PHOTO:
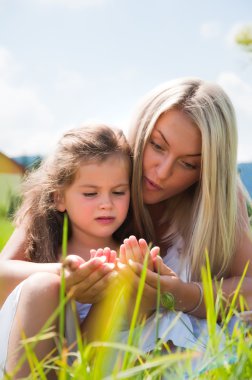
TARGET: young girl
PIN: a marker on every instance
(88, 177)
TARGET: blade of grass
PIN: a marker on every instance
(136, 309)
(63, 286)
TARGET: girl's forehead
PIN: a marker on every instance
(106, 163)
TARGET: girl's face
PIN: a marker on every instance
(97, 201)
(172, 157)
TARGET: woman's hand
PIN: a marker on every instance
(163, 275)
(136, 250)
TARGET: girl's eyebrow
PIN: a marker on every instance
(186, 155)
(97, 187)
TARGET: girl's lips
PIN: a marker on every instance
(151, 185)
(105, 219)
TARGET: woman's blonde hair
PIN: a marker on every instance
(205, 215)
(44, 223)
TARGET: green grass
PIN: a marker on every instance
(108, 359)
(6, 229)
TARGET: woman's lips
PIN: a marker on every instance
(151, 185)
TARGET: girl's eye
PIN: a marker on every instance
(119, 192)
(189, 166)
(156, 146)
(89, 195)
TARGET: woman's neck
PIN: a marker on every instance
(156, 212)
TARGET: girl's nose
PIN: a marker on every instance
(106, 203)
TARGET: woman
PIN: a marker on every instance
(186, 191)
(187, 199)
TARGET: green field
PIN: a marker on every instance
(6, 229)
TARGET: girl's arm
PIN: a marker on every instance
(15, 246)
(14, 267)
(12, 272)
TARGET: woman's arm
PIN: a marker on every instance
(187, 295)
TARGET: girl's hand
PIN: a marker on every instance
(89, 281)
(110, 254)
(72, 262)
(136, 250)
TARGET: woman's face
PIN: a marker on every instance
(172, 157)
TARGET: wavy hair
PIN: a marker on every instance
(44, 223)
(206, 214)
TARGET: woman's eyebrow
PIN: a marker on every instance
(187, 155)
(163, 137)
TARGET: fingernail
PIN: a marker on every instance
(101, 259)
(121, 265)
(110, 265)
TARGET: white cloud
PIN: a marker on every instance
(8, 68)
(240, 93)
(24, 117)
(210, 30)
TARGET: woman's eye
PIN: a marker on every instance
(89, 195)
(187, 165)
(156, 146)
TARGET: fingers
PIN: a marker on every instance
(85, 269)
(72, 262)
(136, 250)
(132, 249)
(154, 252)
(162, 268)
(145, 251)
(122, 255)
(110, 254)
(93, 290)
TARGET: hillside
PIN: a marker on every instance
(245, 170)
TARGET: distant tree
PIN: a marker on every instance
(244, 38)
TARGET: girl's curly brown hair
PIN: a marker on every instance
(44, 223)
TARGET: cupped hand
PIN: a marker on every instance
(163, 277)
(88, 282)
(110, 254)
(72, 262)
(137, 250)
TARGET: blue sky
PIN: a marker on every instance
(64, 62)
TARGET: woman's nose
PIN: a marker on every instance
(165, 168)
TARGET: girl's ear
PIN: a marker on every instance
(59, 201)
